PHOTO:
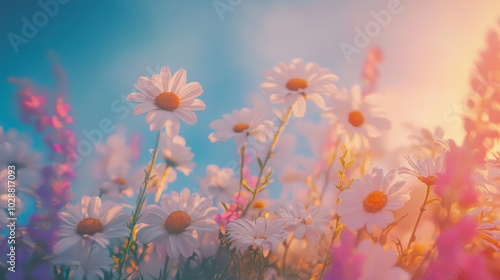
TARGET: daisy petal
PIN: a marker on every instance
(187, 116)
(178, 81)
(144, 108)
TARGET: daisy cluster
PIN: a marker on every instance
(350, 208)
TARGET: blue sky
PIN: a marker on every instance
(106, 45)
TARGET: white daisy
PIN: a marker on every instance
(88, 262)
(176, 225)
(91, 221)
(426, 170)
(487, 186)
(167, 98)
(122, 182)
(240, 125)
(261, 233)
(219, 184)
(357, 116)
(293, 83)
(490, 233)
(260, 204)
(371, 201)
(15, 150)
(380, 263)
(488, 226)
(431, 143)
(174, 153)
(93, 266)
(304, 222)
(115, 152)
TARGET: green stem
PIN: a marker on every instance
(422, 210)
(287, 246)
(242, 164)
(221, 275)
(164, 273)
(161, 182)
(137, 212)
(268, 156)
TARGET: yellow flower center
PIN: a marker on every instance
(356, 118)
(167, 101)
(296, 84)
(259, 237)
(120, 181)
(375, 202)
(240, 127)
(89, 226)
(429, 181)
(177, 222)
(259, 205)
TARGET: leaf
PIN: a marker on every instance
(260, 162)
(245, 185)
(261, 189)
(264, 185)
(433, 200)
(269, 175)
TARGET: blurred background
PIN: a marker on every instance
(429, 52)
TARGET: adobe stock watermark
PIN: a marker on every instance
(85, 147)
(223, 6)
(373, 28)
(31, 26)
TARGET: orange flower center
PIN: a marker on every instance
(375, 202)
(259, 237)
(240, 127)
(89, 226)
(120, 181)
(167, 101)
(177, 222)
(356, 118)
(429, 181)
(296, 84)
(259, 205)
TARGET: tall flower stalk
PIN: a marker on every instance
(138, 207)
(262, 164)
(422, 210)
(338, 225)
(242, 166)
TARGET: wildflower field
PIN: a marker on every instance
(301, 175)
